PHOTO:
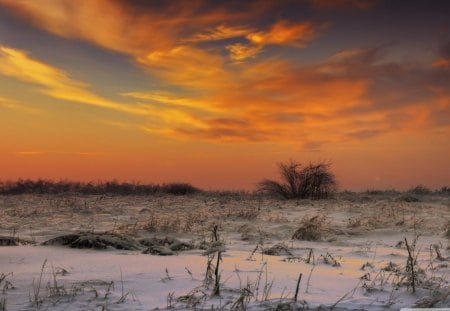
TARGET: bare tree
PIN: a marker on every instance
(314, 181)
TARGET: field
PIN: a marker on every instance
(230, 251)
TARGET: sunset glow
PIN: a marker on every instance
(215, 93)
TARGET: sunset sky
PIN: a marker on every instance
(215, 93)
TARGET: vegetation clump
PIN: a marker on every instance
(95, 241)
(278, 250)
(311, 229)
(164, 246)
(13, 241)
(313, 181)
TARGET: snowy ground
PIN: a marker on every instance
(357, 259)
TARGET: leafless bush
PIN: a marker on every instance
(314, 181)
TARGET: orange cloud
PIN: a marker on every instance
(55, 82)
(219, 33)
(39, 153)
(117, 27)
(339, 99)
(122, 28)
(240, 52)
(29, 153)
(215, 99)
(15, 105)
(285, 33)
(442, 63)
(51, 81)
(280, 33)
(189, 67)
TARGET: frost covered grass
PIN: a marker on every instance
(223, 251)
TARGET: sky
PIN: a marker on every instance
(216, 93)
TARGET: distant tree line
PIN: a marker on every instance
(420, 190)
(312, 181)
(41, 186)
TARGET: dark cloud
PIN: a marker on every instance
(313, 146)
(391, 85)
(223, 134)
(445, 49)
(288, 117)
(227, 122)
(339, 4)
(365, 134)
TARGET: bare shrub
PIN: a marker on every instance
(314, 181)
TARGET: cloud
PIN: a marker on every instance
(390, 85)
(45, 152)
(280, 33)
(320, 102)
(285, 33)
(240, 52)
(337, 4)
(55, 82)
(228, 130)
(443, 59)
(117, 27)
(15, 105)
(365, 134)
(152, 29)
(220, 32)
(442, 63)
(137, 29)
(163, 100)
(29, 153)
(445, 49)
(266, 100)
(189, 67)
(208, 97)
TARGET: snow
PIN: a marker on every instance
(356, 234)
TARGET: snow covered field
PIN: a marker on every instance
(351, 252)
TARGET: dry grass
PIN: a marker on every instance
(254, 217)
(311, 228)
